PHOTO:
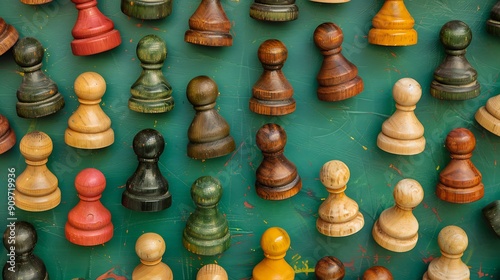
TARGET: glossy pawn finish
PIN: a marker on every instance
(35, 2)
(89, 222)
(455, 78)
(147, 189)
(212, 272)
(7, 135)
(8, 36)
(460, 181)
(492, 214)
(147, 9)
(89, 127)
(150, 248)
(493, 23)
(36, 187)
(208, 133)
(276, 10)
(209, 26)
(393, 26)
(151, 93)
(377, 273)
(402, 133)
(275, 242)
(93, 32)
(38, 96)
(329, 268)
(26, 266)
(338, 215)
(488, 116)
(337, 78)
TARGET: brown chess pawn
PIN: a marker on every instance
(89, 127)
(377, 273)
(337, 78)
(8, 36)
(452, 242)
(272, 94)
(276, 177)
(7, 135)
(150, 248)
(275, 242)
(402, 133)
(338, 215)
(488, 116)
(329, 268)
(209, 132)
(393, 26)
(275, 10)
(212, 272)
(35, 2)
(36, 188)
(209, 26)
(397, 228)
(460, 181)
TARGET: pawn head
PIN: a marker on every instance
(328, 36)
(275, 242)
(90, 86)
(28, 52)
(453, 240)
(212, 272)
(272, 52)
(408, 193)
(36, 146)
(460, 141)
(150, 248)
(329, 268)
(334, 174)
(407, 92)
(148, 143)
(377, 273)
(206, 191)
(202, 90)
(24, 235)
(271, 138)
(455, 35)
(90, 182)
(151, 49)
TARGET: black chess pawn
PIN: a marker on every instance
(493, 23)
(20, 239)
(147, 189)
(275, 10)
(208, 133)
(38, 95)
(151, 93)
(455, 78)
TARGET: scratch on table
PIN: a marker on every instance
(395, 168)
(434, 210)
(248, 205)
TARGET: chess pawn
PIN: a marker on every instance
(212, 272)
(36, 187)
(7, 135)
(147, 189)
(275, 243)
(460, 181)
(93, 32)
(276, 10)
(209, 26)
(207, 232)
(452, 242)
(492, 214)
(38, 95)
(89, 222)
(339, 214)
(8, 36)
(402, 133)
(272, 94)
(397, 228)
(329, 268)
(208, 133)
(331, 1)
(489, 116)
(455, 78)
(150, 248)
(377, 273)
(151, 93)
(20, 238)
(89, 127)
(147, 9)
(393, 26)
(493, 23)
(35, 2)
(337, 78)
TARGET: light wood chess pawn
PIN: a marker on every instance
(7, 135)
(489, 116)
(209, 26)
(377, 273)
(402, 133)
(275, 242)
(452, 242)
(89, 127)
(338, 215)
(150, 248)
(393, 26)
(329, 268)
(212, 272)
(8, 36)
(36, 188)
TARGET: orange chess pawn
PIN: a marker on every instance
(275, 243)
(393, 26)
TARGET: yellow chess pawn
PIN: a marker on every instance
(275, 243)
(393, 26)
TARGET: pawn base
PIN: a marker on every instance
(455, 92)
(151, 106)
(331, 1)
(8, 38)
(390, 243)
(342, 91)
(341, 229)
(272, 108)
(206, 247)
(41, 108)
(281, 192)
(37, 203)
(460, 195)
(146, 9)
(493, 27)
(392, 37)
(146, 203)
(274, 12)
(88, 237)
(488, 121)
(35, 2)
(89, 141)
(400, 146)
(208, 38)
(212, 149)
(492, 214)
(7, 141)
(97, 44)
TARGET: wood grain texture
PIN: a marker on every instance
(274, 10)
(377, 273)
(7, 135)
(393, 26)
(488, 116)
(275, 242)
(147, 9)
(8, 36)
(329, 268)
(212, 272)
(209, 26)
(150, 248)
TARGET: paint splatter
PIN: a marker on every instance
(428, 260)
(363, 250)
(248, 205)
(434, 210)
(111, 275)
(395, 168)
(350, 265)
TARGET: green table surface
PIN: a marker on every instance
(317, 132)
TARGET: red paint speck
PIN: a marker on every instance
(480, 273)
(428, 260)
(350, 265)
(435, 211)
(138, 25)
(426, 205)
(363, 250)
(248, 205)
(111, 275)
(375, 259)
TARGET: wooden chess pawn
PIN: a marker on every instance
(93, 32)
(147, 9)
(402, 133)
(35, 2)
(20, 238)
(7, 135)
(488, 116)
(452, 242)
(393, 26)
(397, 228)
(89, 222)
(209, 132)
(493, 23)
(455, 78)
(207, 232)
(275, 242)
(36, 187)
(331, 1)
(212, 272)
(492, 214)
(338, 215)
(337, 78)
(89, 127)
(272, 94)
(329, 268)
(151, 93)
(150, 248)
(8, 36)
(460, 181)
(38, 95)
(147, 189)
(377, 273)
(209, 26)
(276, 10)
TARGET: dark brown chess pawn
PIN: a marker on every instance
(37, 96)
(209, 26)
(275, 10)
(460, 181)
(8, 36)
(147, 9)
(338, 78)
(377, 273)
(208, 133)
(276, 177)
(7, 135)
(329, 268)
(272, 94)
(493, 23)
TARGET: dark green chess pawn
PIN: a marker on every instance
(151, 93)
(455, 78)
(38, 95)
(206, 232)
(147, 9)
(274, 10)
(493, 23)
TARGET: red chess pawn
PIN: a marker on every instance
(7, 135)
(89, 222)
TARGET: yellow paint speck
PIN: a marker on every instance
(364, 148)
(437, 167)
